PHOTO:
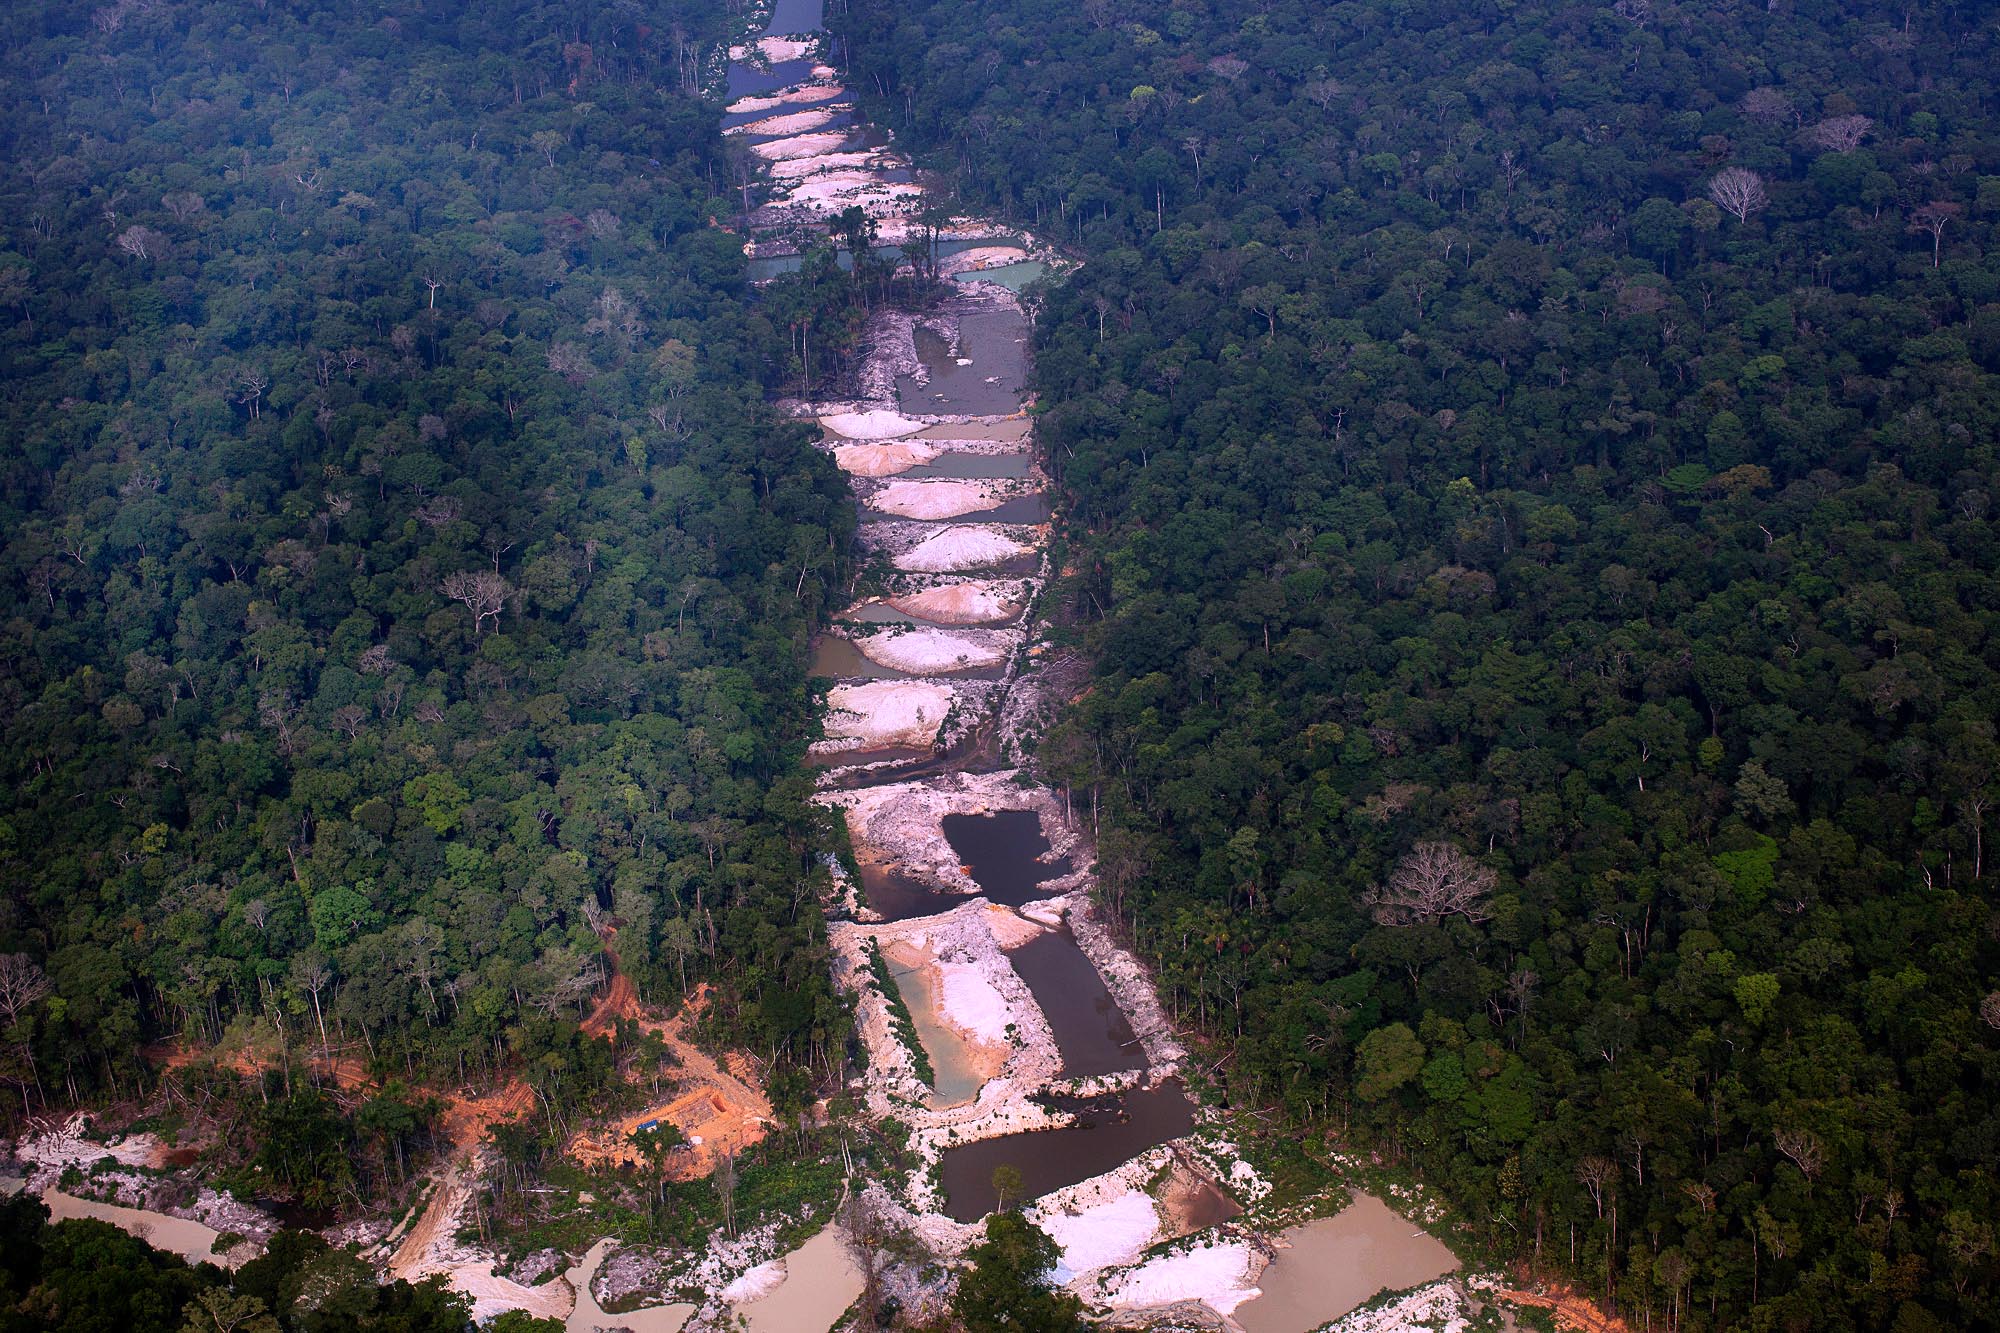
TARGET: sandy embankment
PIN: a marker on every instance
(794, 122)
(800, 146)
(973, 602)
(969, 546)
(942, 498)
(930, 652)
(882, 713)
(871, 424)
(804, 95)
(881, 460)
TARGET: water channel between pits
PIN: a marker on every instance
(1108, 1133)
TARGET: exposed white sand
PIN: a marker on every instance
(874, 424)
(809, 93)
(923, 652)
(937, 499)
(971, 1003)
(1115, 1231)
(881, 460)
(778, 50)
(1218, 1274)
(1441, 1306)
(887, 712)
(801, 145)
(974, 602)
(796, 122)
(966, 547)
(758, 1282)
(806, 166)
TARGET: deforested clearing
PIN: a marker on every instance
(873, 424)
(966, 547)
(881, 460)
(887, 712)
(976, 602)
(935, 499)
(926, 651)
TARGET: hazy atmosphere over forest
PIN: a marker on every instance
(650, 650)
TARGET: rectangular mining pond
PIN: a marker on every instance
(1091, 1031)
(1002, 851)
(1108, 1133)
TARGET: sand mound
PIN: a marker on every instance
(877, 424)
(974, 603)
(1115, 1231)
(968, 547)
(800, 146)
(926, 652)
(887, 712)
(810, 93)
(1217, 1275)
(826, 162)
(777, 50)
(934, 499)
(796, 122)
(881, 460)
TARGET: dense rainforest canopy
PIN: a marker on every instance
(406, 583)
(1531, 474)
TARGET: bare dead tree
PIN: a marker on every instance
(141, 242)
(1837, 134)
(250, 386)
(183, 204)
(1931, 220)
(1767, 106)
(1594, 1173)
(1434, 880)
(479, 591)
(1738, 192)
(1804, 1150)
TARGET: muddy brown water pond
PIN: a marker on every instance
(1336, 1263)
(955, 1076)
(995, 342)
(1021, 509)
(1091, 1031)
(1108, 1133)
(973, 467)
(1002, 851)
(1010, 430)
(880, 755)
(897, 895)
(1011, 276)
(880, 613)
(835, 658)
